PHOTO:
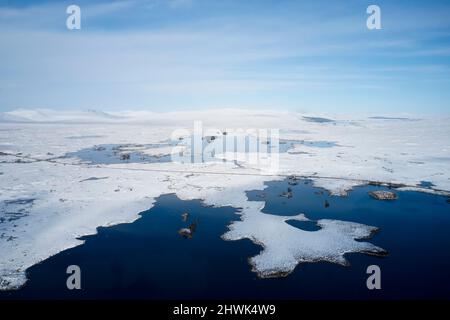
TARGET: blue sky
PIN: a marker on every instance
(161, 55)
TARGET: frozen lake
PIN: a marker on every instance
(62, 181)
(149, 259)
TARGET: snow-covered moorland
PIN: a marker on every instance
(48, 200)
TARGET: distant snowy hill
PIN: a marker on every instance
(236, 117)
(214, 117)
(47, 115)
(6, 117)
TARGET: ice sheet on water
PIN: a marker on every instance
(115, 154)
(285, 246)
(162, 152)
(11, 279)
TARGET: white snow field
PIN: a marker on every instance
(47, 200)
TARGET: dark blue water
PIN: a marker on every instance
(149, 259)
(426, 184)
(304, 225)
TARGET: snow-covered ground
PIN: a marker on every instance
(47, 200)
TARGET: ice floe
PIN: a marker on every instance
(286, 246)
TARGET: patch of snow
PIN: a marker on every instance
(426, 190)
(337, 187)
(286, 246)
